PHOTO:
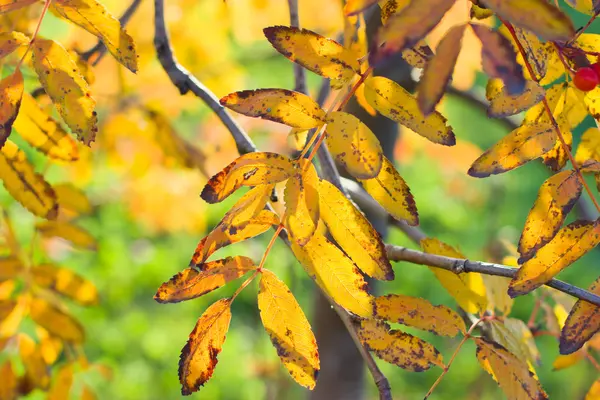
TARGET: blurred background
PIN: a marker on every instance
(148, 217)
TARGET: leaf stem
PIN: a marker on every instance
(585, 27)
(35, 33)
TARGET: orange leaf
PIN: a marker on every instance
(65, 282)
(581, 324)
(10, 5)
(56, 321)
(74, 234)
(302, 203)
(37, 373)
(10, 41)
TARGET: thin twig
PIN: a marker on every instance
(299, 71)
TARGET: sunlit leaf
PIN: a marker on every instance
(56, 321)
(10, 41)
(355, 6)
(589, 147)
(302, 203)
(10, 5)
(199, 356)
(73, 233)
(11, 92)
(503, 104)
(581, 324)
(419, 55)
(594, 391)
(65, 282)
(72, 198)
(569, 360)
(37, 373)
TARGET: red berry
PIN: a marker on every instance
(586, 79)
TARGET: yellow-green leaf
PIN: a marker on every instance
(397, 347)
(503, 104)
(65, 282)
(56, 321)
(11, 93)
(97, 20)
(288, 329)
(73, 233)
(10, 41)
(199, 356)
(280, 105)
(353, 145)
(571, 243)
(63, 82)
(302, 203)
(582, 323)
(393, 101)
(354, 233)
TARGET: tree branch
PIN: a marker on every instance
(299, 71)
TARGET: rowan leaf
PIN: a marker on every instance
(302, 203)
(63, 82)
(394, 102)
(438, 71)
(251, 169)
(538, 16)
(66, 283)
(10, 267)
(197, 281)
(589, 147)
(10, 381)
(515, 336)
(24, 184)
(582, 323)
(199, 356)
(11, 92)
(392, 192)
(354, 233)
(336, 274)
(571, 243)
(10, 41)
(43, 132)
(37, 372)
(556, 198)
(353, 7)
(419, 55)
(520, 146)
(499, 59)
(512, 374)
(569, 360)
(97, 20)
(61, 388)
(11, 5)
(467, 288)
(318, 54)
(503, 104)
(288, 329)
(76, 235)
(354, 145)
(391, 7)
(56, 321)
(72, 198)
(594, 391)
(396, 347)
(280, 105)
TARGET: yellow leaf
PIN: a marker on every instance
(10, 41)
(297, 139)
(318, 54)
(419, 313)
(87, 393)
(538, 16)
(95, 18)
(37, 373)
(397, 347)
(583, 6)
(512, 374)
(355, 6)
(479, 12)
(392, 192)
(199, 356)
(594, 392)
(11, 92)
(515, 336)
(354, 233)
(391, 7)
(354, 145)
(50, 346)
(43, 132)
(197, 281)
(9, 382)
(566, 361)
(542, 56)
(571, 243)
(10, 267)
(589, 147)
(467, 288)
(6, 308)
(394, 102)
(56, 321)
(581, 324)
(24, 184)
(251, 169)
(522, 145)
(66, 283)
(302, 203)
(10, 5)
(69, 92)
(419, 55)
(503, 104)
(438, 71)
(495, 289)
(280, 105)
(72, 198)
(335, 273)
(11, 315)
(61, 388)
(288, 329)
(74, 234)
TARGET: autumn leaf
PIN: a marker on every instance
(65, 282)
(76, 235)
(63, 82)
(581, 324)
(571, 243)
(516, 337)
(594, 391)
(394, 102)
(512, 374)
(556, 198)
(56, 321)
(318, 54)
(467, 288)
(567, 361)
(251, 169)
(9, 382)
(24, 184)
(199, 356)
(95, 18)
(522, 145)
(353, 145)
(336, 274)
(197, 281)
(302, 203)
(392, 192)
(419, 313)
(355, 6)
(438, 71)
(10, 267)
(589, 147)
(396, 347)
(503, 104)
(37, 373)
(419, 55)
(10, 41)
(354, 233)
(11, 5)
(288, 329)
(280, 105)
(391, 7)
(72, 198)
(11, 92)
(61, 388)
(538, 16)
